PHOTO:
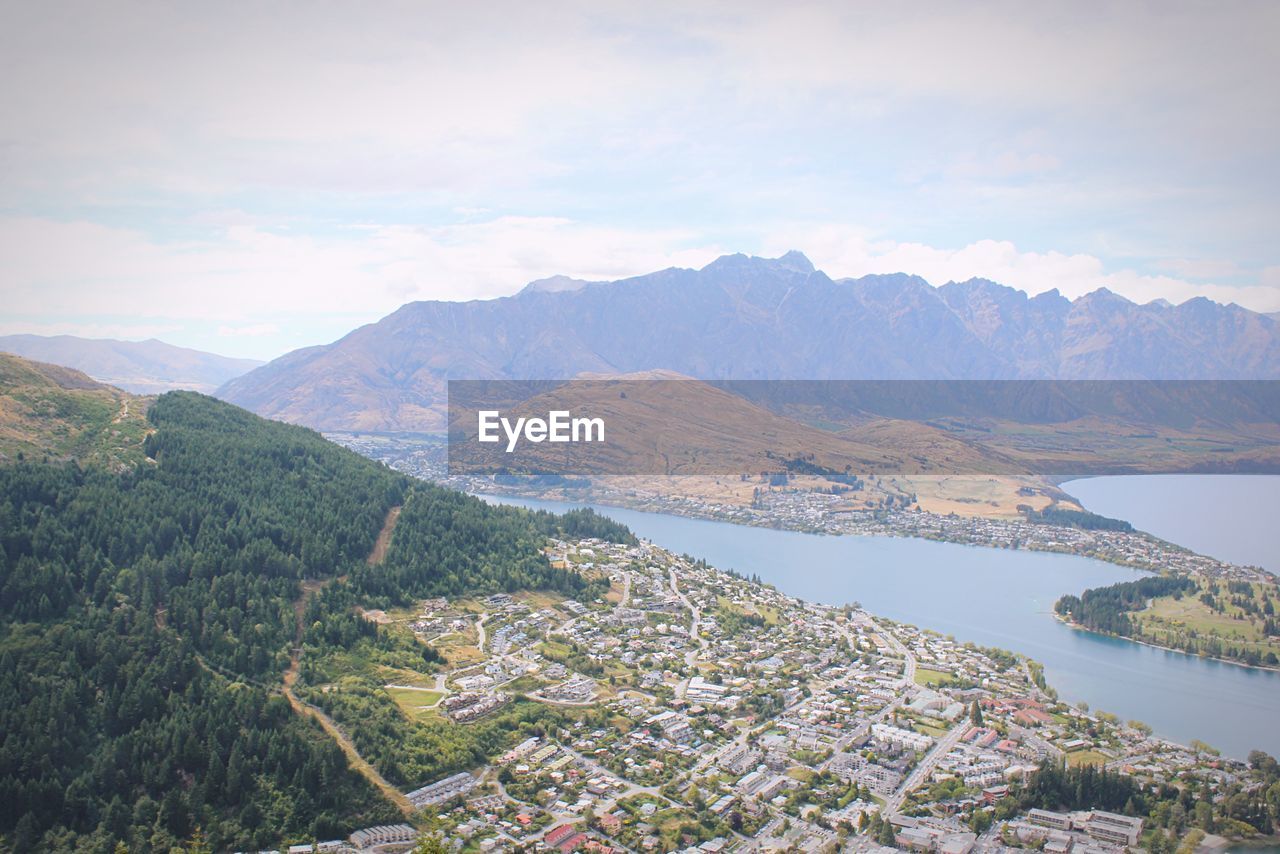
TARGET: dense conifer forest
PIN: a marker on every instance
(1107, 609)
(146, 618)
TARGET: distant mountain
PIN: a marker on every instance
(142, 367)
(749, 318)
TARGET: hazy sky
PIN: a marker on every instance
(250, 179)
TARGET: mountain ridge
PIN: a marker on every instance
(140, 367)
(50, 411)
(744, 317)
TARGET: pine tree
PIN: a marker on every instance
(886, 836)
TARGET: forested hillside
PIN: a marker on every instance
(146, 618)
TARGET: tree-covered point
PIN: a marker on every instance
(583, 523)
(1069, 518)
(1106, 609)
(1234, 620)
(146, 618)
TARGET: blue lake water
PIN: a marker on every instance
(1228, 516)
(993, 597)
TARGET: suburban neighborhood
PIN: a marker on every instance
(706, 712)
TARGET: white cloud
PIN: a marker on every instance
(1030, 56)
(433, 97)
(392, 144)
(1203, 269)
(255, 284)
(848, 251)
(247, 273)
(251, 331)
(1006, 164)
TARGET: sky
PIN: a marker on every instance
(252, 178)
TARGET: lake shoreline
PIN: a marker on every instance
(775, 526)
(821, 531)
(1213, 515)
(1072, 624)
(993, 597)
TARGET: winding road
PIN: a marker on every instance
(302, 707)
(691, 658)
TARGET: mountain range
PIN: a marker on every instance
(141, 367)
(743, 318)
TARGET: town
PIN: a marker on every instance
(701, 711)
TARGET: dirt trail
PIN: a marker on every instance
(379, 553)
(358, 762)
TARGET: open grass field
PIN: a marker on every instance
(925, 676)
(403, 615)
(414, 702)
(523, 685)
(406, 676)
(554, 649)
(337, 665)
(967, 495)
(460, 649)
(1086, 757)
(1168, 619)
(537, 599)
(974, 495)
(764, 612)
(1194, 614)
(930, 728)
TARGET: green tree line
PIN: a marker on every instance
(1107, 609)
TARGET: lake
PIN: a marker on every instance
(1228, 516)
(993, 597)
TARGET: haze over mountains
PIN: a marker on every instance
(141, 367)
(750, 318)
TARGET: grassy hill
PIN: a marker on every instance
(48, 410)
(1235, 620)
